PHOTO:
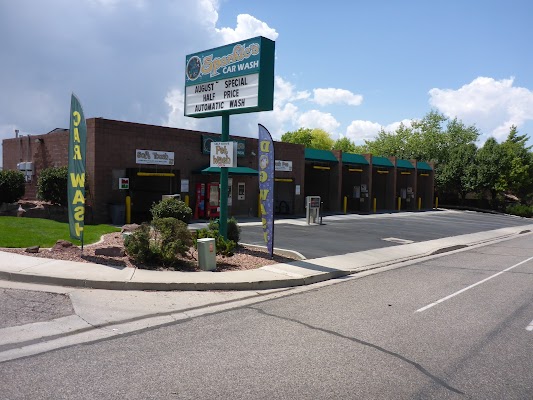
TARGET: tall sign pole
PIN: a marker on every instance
(223, 224)
(232, 79)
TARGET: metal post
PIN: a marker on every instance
(223, 224)
(128, 209)
(375, 208)
(436, 202)
(399, 203)
(345, 204)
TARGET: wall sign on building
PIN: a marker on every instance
(154, 157)
(223, 154)
(123, 183)
(232, 79)
(285, 166)
(206, 145)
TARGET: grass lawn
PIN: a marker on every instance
(26, 232)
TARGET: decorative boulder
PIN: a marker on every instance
(62, 245)
(112, 251)
(32, 249)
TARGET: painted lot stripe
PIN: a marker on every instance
(397, 240)
(530, 326)
(472, 286)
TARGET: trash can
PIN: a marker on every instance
(118, 214)
(207, 254)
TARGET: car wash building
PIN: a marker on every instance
(147, 162)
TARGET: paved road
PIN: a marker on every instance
(456, 326)
(20, 307)
(352, 233)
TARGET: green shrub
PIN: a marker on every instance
(224, 247)
(172, 238)
(138, 244)
(521, 210)
(171, 208)
(234, 230)
(52, 185)
(159, 243)
(12, 186)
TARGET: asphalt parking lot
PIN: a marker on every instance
(341, 234)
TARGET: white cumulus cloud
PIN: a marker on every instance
(247, 27)
(336, 96)
(493, 105)
(318, 119)
(359, 131)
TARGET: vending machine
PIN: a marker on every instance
(213, 200)
(199, 209)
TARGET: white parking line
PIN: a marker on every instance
(471, 286)
(397, 240)
(530, 326)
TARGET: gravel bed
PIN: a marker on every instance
(244, 258)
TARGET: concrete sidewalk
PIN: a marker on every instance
(16, 267)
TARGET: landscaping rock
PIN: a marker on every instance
(129, 228)
(62, 245)
(113, 251)
(32, 249)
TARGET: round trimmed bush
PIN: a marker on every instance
(52, 185)
(171, 208)
(12, 186)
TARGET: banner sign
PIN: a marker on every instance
(266, 186)
(206, 145)
(76, 170)
(232, 79)
(223, 154)
(154, 157)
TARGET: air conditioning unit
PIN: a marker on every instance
(171, 196)
(25, 166)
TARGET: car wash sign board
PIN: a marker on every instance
(233, 79)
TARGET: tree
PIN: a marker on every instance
(427, 141)
(12, 186)
(321, 140)
(310, 138)
(389, 144)
(458, 174)
(518, 175)
(491, 163)
(450, 144)
(301, 136)
(344, 144)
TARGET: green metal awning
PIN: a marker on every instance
(404, 164)
(350, 158)
(423, 166)
(319, 155)
(381, 162)
(231, 171)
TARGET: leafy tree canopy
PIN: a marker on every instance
(344, 144)
(310, 138)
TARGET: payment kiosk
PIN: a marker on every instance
(312, 209)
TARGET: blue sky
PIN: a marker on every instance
(349, 67)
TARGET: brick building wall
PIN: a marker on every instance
(48, 150)
(111, 154)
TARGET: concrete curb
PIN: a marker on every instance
(15, 267)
